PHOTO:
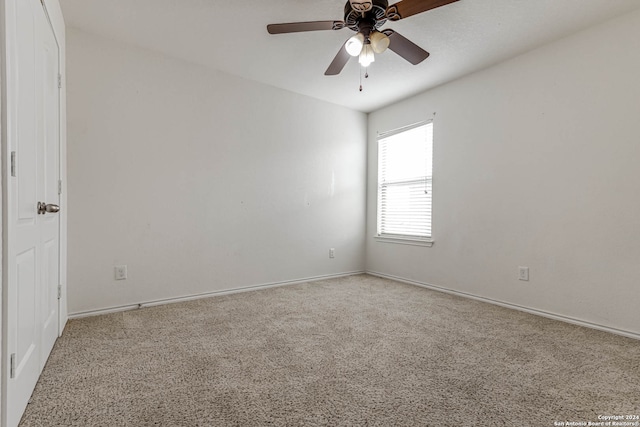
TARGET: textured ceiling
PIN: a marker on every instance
(231, 36)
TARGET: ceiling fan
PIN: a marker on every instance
(365, 17)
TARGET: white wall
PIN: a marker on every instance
(536, 164)
(200, 181)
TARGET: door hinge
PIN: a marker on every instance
(13, 163)
(59, 186)
(59, 81)
(12, 365)
(59, 291)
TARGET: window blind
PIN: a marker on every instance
(405, 182)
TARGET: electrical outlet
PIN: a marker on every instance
(523, 273)
(121, 272)
(332, 253)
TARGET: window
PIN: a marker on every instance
(404, 183)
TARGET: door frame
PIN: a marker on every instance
(53, 11)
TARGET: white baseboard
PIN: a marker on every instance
(529, 310)
(153, 303)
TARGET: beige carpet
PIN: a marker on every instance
(356, 351)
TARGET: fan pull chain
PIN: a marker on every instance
(366, 76)
(360, 74)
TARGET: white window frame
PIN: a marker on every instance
(426, 179)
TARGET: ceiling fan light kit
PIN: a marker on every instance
(355, 44)
(366, 57)
(379, 41)
(365, 17)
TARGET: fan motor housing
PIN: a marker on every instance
(377, 15)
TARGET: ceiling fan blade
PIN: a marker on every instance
(338, 62)
(406, 48)
(297, 27)
(405, 8)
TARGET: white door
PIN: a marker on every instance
(32, 249)
(49, 112)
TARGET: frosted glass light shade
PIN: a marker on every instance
(366, 56)
(379, 41)
(354, 44)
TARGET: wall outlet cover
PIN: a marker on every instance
(121, 272)
(523, 273)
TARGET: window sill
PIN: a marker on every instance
(405, 241)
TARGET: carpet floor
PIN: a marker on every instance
(354, 351)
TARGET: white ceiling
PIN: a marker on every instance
(231, 36)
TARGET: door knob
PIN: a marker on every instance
(51, 208)
(44, 208)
